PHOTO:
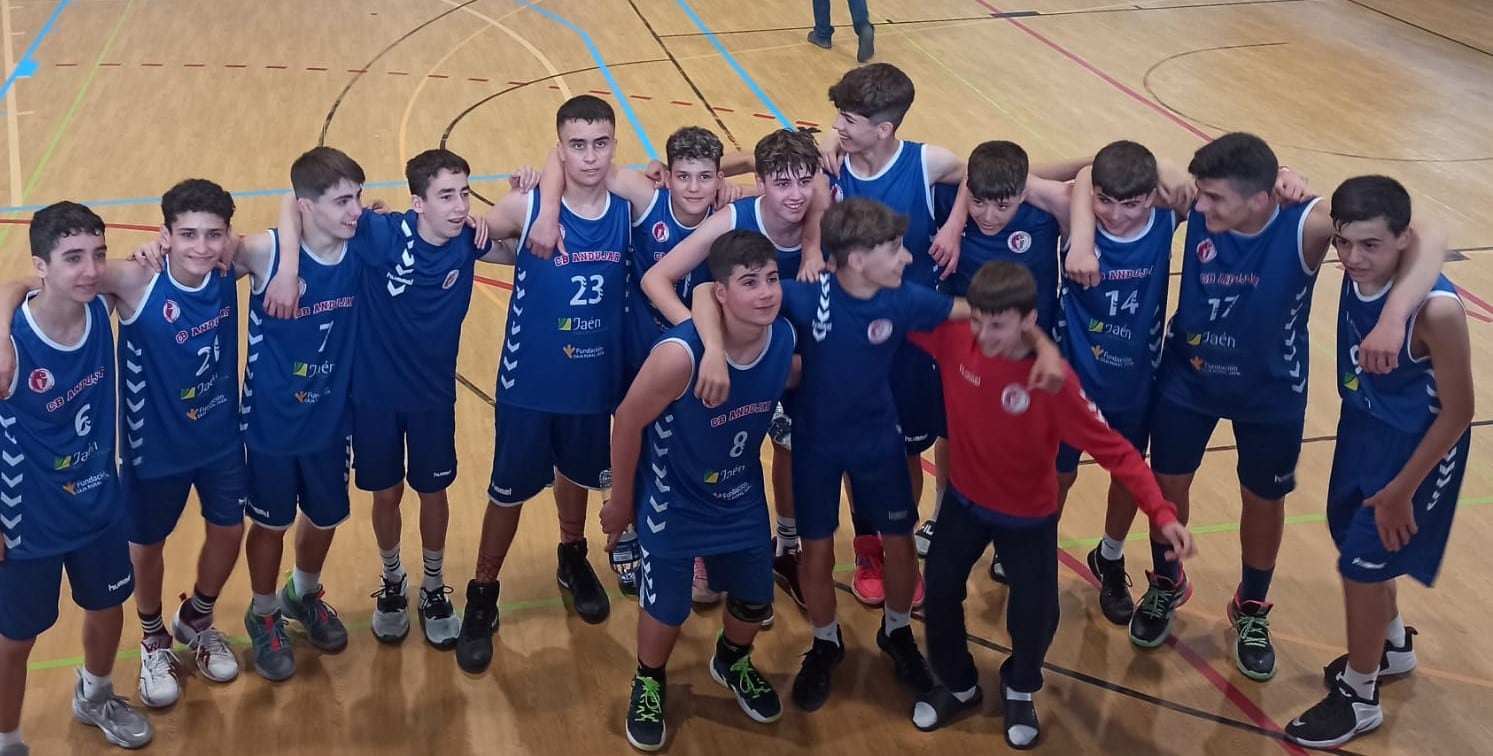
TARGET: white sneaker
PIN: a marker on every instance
(391, 615)
(439, 619)
(215, 660)
(700, 591)
(160, 677)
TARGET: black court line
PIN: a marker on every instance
(1429, 31)
(699, 94)
(450, 127)
(326, 124)
(1131, 693)
(996, 17)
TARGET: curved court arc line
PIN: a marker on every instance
(409, 105)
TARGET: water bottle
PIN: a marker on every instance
(626, 559)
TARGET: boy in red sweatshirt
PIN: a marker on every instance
(1003, 487)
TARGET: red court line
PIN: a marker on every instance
(1091, 68)
(493, 282)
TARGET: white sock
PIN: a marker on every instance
(393, 569)
(1111, 548)
(894, 621)
(830, 632)
(1362, 685)
(787, 534)
(11, 738)
(305, 583)
(1396, 634)
(92, 683)
(434, 568)
(265, 604)
(1020, 734)
(965, 696)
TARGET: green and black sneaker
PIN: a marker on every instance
(645, 713)
(753, 692)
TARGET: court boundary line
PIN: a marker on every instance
(735, 65)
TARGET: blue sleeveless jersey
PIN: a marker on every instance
(297, 377)
(58, 486)
(746, 215)
(1405, 397)
(699, 485)
(178, 376)
(654, 234)
(1029, 238)
(1237, 345)
(1112, 332)
(412, 298)
(903, 185)
(843, 405)
(563, 350)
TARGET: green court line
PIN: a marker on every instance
(67, 117)
(556, 601)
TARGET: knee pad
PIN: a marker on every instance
(749, 613)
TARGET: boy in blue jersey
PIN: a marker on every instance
(1112, 331)
(560, 372)
(1237, 349)
(60, 503)
(1402, 446)
(179, 377)
(1014, 216)
(415, 286)
(696, 488)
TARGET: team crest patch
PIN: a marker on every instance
(879, 331)
(41, 380)
(1206, 251)
(1015, 400)
(660, 232)
(1019, 242)
(450, 280)
(171, 311)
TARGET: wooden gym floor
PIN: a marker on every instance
(111, 101)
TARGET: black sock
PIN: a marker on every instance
(1167, 568)
(729, 653)
(656, 673)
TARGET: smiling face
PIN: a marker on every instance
(1121, 218)
(74, 266)
(859, 133)
(692, 185)
(1224, 208)
(752, 295)
(586, 149)
(446, 204)
(999, 333)
(786, 194)
(882, 264)
(197, 240)
(337, 210)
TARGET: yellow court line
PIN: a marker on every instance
(409, 105)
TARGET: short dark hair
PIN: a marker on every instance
(1244, 160)
(997, 170)
(786, 152)
(1125, 170)
(1002, 285)
(1365, 198)
(877, 92)
(58, 221)
(424, 167)
(694, 143)
(319, 169)
(859, 224)
(739, 247)
(196, 196)
(588, 108)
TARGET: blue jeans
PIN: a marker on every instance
(859, 18)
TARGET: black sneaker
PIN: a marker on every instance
(753, 693)
(1395, 662)
(1336, 719)
(907, 660)
(474, 641)
(1114, 587)
(1254, 654)
(939, 707)
(645, 714)
(811, 686)
(1151, 622)
(998, 570)
(785, 572)
(575, 575)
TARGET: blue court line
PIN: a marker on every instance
(26, 66)
(606, 73)
(740, 72)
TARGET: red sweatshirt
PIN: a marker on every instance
(1003, 438)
